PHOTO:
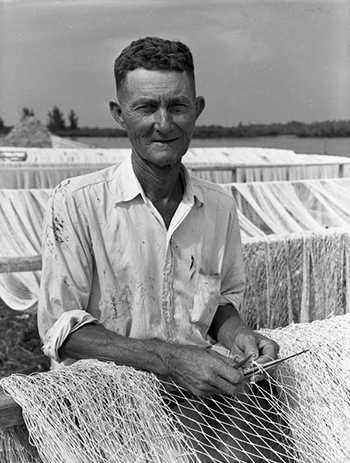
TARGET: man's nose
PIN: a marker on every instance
(163, 121)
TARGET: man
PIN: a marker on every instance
(142, 264)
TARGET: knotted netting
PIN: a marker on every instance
(291, 277)
(293, 206)
(99, 412)
(296, 277)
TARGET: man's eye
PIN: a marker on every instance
(178, 107)
(146, 107)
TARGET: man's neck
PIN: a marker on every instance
(158, 183)
(162, 185)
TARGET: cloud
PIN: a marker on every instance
(242, 46)
(255, 59)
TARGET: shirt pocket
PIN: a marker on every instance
(206, 299)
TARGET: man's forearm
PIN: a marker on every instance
(193, 368)
(95, 341)
(225, 323)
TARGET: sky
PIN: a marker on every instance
(256, 61)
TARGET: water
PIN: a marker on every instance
(331, 146)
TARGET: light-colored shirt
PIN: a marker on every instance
(108, 258)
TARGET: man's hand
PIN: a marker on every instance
(247, 342)
(204, 372)
(232, 333)
(193, 368)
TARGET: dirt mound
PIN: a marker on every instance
(29, 132)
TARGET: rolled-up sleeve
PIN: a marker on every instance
(66, 270)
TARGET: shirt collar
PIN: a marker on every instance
(126, 186)
(192, 194)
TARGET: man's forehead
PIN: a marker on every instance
(144, 81)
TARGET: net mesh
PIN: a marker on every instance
(297, 277)
(291, 277)
(293, 206)
(100, 412)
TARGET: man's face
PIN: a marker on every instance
(159, 110)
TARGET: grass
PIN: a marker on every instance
(20, 345)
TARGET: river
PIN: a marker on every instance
(331, 146)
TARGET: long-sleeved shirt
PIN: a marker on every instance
(108, 258)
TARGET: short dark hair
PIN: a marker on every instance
(154, 54)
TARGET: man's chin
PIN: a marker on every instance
(165, 154)
(170, 146)
(164, 163)
(161, 155)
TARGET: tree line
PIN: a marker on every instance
(324, 129)
(69, 127)
(55, 119)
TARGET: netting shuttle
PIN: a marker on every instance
(264, 367)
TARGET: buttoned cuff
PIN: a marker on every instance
(67, 323)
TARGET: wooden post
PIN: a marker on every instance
(10, 411)
(20, 264)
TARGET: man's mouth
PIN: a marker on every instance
(169, 140)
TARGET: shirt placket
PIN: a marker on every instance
(167, 294)
(168, 273)
(167, 290)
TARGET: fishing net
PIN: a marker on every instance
(15, 446)
(297, 277)
(100, 412)
(291, 277)
(46, 167)
(287, 207)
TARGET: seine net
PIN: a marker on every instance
(100, 412)
(297, 277)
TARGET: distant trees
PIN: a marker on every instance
(26, 112)
(3, 128)
(56, 120)
(73, 120)
(57, 123)
(325, 129)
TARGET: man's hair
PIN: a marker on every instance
(154, 54)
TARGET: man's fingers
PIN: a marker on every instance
(205, 372)
(227, 380)
(256, 378)
(268, 349)
(261, 348)
(228, 377)
(251, 347)
(268, 352)
(230, 361)
(224, 377)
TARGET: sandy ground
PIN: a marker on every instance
(19, 343)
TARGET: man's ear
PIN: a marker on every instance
(200, 105)
(116, 112)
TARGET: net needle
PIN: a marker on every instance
(261, 367)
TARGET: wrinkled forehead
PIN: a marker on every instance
(142, 81)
